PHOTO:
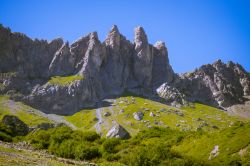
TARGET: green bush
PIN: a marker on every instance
(64, 142)
(5, 129)
(152, 154)
(155, 146)
(5, 137)
(111, 157)
(60, 134)
(66, 149)
(85, 152)
(40, 139)
(85, 136)
(5, 133)
(110, 145)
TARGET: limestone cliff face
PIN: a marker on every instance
(143, 58)
(161, 74)
(117, 66)
(30, 58)
(108, 69)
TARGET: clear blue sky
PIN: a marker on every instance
(195, 31)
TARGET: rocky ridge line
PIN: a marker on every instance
(109, 68)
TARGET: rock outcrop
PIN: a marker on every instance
(216, 84)
(143, 58)
(108, 69)
(138, 115)
(117, 131)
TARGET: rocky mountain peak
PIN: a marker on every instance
(57, 41)
(160, 45)
(140, 39)
(143, 58)
(218, 64)
(93, 38)
(113, 38)
(114, 29)
(109, 69)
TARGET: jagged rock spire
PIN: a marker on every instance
(113, 38)
(93, 38)
(143, 59)
(159, 45)
(141, 39)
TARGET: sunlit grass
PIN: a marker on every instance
(83, 120)
(23, 112)
(63, 81)
(230, 141)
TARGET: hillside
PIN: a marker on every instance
(198, 129)
(117, 102)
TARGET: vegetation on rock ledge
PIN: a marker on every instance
(63, 81)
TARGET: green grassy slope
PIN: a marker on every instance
(195, 117)
(83, 120)
(197, 129)
(233, 142)
(23, 112)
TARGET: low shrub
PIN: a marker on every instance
(65, 149)
(64, 142)
(110, 145)
(5, 137)
(40, 139)
(85, 152)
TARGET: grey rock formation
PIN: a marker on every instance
(171, 94)
(63, 62)
(138, 115)
(109, 69)
(117, 131)
(151, 114)
(116, 71)
(162, 70)
(214, 152)
(218, 84)
(143, 58)
(106, 114)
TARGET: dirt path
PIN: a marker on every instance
(13, 107)
(100, 121)
(103, 122)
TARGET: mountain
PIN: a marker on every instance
(117, 103)
(62, 78)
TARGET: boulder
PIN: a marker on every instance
(214, 152)
(138, 115)
(171, 94)
(121, 111)
(117, 131)
(151, 114)
(106, 114)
